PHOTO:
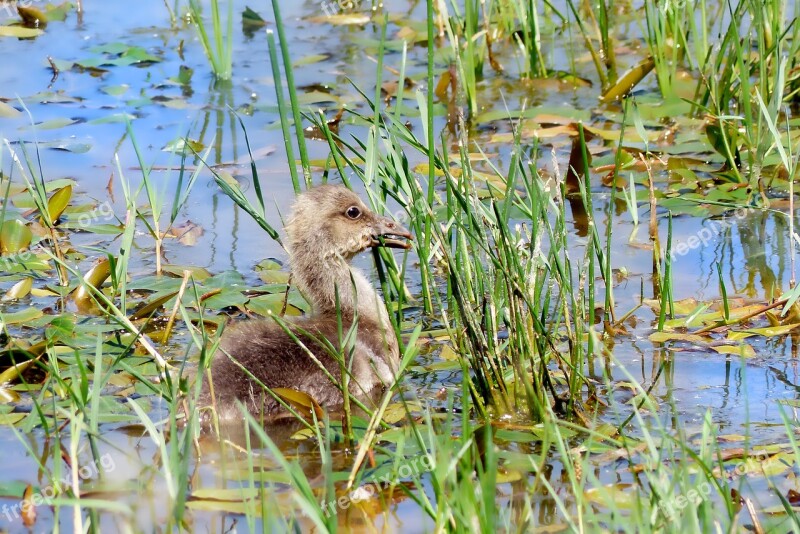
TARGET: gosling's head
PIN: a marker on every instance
(331, 220)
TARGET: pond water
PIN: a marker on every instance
(77, 117)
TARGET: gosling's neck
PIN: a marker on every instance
(319, 275)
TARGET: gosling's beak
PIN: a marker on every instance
(387, 233)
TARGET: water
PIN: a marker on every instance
(741, 394)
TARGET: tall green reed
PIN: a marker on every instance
(217, 44)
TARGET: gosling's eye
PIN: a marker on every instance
(353, 212)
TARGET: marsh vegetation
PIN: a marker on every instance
(598, 319)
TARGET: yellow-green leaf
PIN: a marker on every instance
(59, 202)
(8, 419)
(150, 307)
(95, 278)
(629, 80)
(341, 19)
(19, 290)
(737, 350)
(20, 32)
(13, 372)
(14, 236)
(299, 400)
(22, 316)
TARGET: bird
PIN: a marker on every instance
(328, 227)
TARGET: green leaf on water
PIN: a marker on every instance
(20, 32)
(265, 305)
(184, 76)
(226, 298)
(251, 19)
(61, 329)
(14, 237)
(225, 280)
(83, 295)
(629, 80)
(103, 229)
(10, 419)
(67, 145)
(22, 316)
(113, 118)
(19, 290)
(341, 19)
(311, 59)
(198, 273)
(110, 48)
(177, 146)
(58, 13)
(53, 124)
(115, 90)
(570, 114)
(153, 305)
(58, 202)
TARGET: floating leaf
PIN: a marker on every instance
(115, 90)
(57, 13)
(8, 112)
(272, 304)
(53, 124)
(310, 60)
(743, 350)
(19, 290)
(224, 298)
(8, 396)
(270, 273)
(67, 145)
(94, 277)
(177, 146)
(239, 501)
(20, 32)
(8, 419)
(31, 16)
(252, 20)
(14, 236)
(341, 19)
(300, 401)
(58, 202)
(226, 494)
(13, 373)
(198, 273)
(629, 80)
(152, 306)
(184, 76)
(769, 331)
(113, 118)
(662, 337)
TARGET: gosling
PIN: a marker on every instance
(328, 227)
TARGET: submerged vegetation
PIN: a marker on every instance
(544, 341)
